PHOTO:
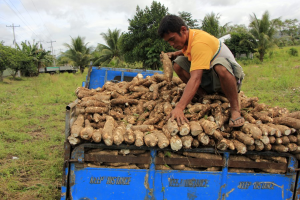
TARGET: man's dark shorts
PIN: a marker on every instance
(210, 81)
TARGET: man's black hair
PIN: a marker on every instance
(170, 23)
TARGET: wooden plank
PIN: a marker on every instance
(257, 165)
(199, 162)
(117, 159)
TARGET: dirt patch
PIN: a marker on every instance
(9, 156)
(37, 133)
(55, 147)
(44, 117)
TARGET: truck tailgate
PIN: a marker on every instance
(89, 182)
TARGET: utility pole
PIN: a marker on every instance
(52, 51)
(14, 33)
(13, 26)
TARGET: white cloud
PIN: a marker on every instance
(57, 20)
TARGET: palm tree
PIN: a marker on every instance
(211, 24)
(78, 52)
(263, 30)
(104, 54)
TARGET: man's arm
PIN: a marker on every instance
(188, 94)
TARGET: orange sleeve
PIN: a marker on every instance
(201, 55)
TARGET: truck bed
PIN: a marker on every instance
(84, 179)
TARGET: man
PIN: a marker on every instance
(205, 64)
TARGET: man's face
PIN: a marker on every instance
(175, 40)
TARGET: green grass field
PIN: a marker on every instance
(32, 120)
(276, 81)
(32, 114)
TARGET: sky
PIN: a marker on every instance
(56, 21)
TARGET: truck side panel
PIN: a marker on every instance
(88, 182)
(105, 183)
(174, 184)
(259, 186)
(99, 76)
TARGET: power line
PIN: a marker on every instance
(26, 10)
(5, 19)
(40, 17)
(20, 17)
(31, 16)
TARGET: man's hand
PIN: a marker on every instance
(173, 55)
(178, 115)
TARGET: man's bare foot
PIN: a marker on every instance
(236, 119)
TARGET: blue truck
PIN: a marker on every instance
(84, 181)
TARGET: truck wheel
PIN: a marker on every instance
(52, 73)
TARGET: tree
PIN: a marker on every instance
(78, 52)
(37, 56)
(211, 24)
(106, 53)
(237, 28)
(141, 43)
(279, 26)
(187, 18)
(240, 43)
(263, 30)
(291, 29)
(43, 57)
(3, 59)
(12, 58)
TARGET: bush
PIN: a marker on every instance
(293, 51)
(271, 53)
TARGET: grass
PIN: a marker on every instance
(276, 81)
(32, 114)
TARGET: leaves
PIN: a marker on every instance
(78, 52)
(211, 24)
(263, 30)
(109, 53)
(240, 43)
(141, 43)
(25, 58)
(187, 18)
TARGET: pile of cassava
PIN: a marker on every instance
(136, 113)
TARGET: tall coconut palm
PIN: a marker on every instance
(263, 30)
(106, 53)
(78, 52)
